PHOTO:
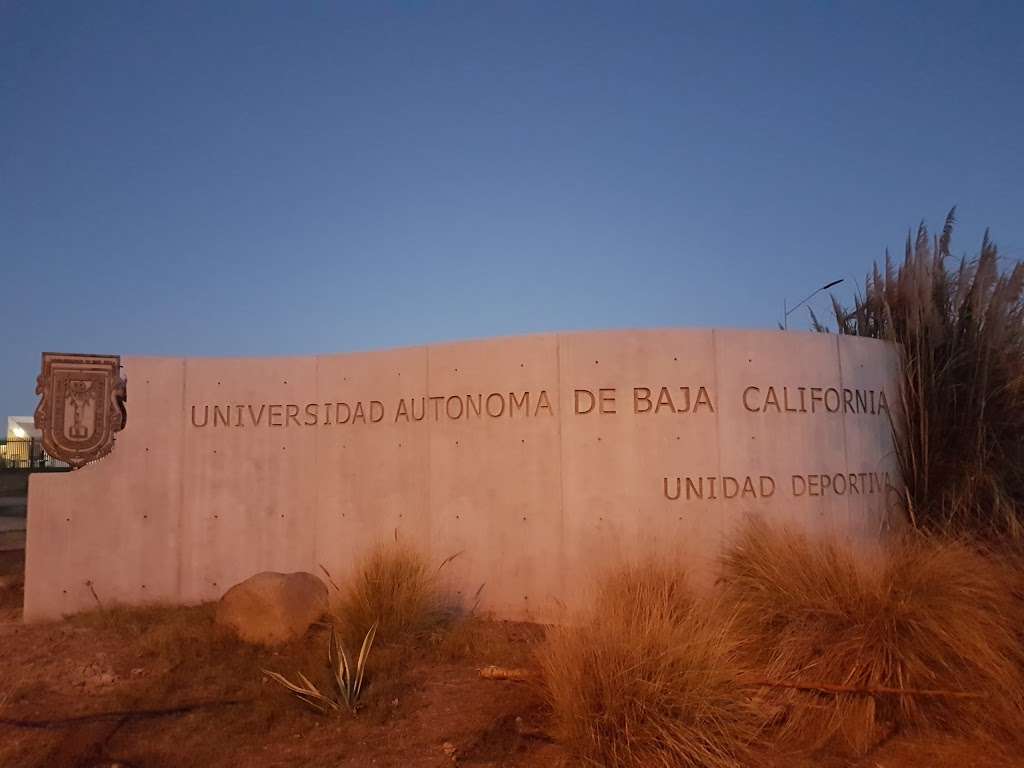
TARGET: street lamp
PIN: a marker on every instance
(787, 312)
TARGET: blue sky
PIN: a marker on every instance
(295, 178)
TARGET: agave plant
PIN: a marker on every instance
(348, 677)
(307, 693)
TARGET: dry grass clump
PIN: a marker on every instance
(654, 585)
(928, 614)
(395, 587)
(648, 678)
(168, 632)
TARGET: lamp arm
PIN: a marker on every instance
(813, 294)
(797, 306)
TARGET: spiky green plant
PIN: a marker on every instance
(960, 437)
(348, 677)
(307, 693)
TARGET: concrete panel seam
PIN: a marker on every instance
(182, 541)
(561, 461)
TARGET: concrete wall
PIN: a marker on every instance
(541, 459)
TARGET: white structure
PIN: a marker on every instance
(22, 445)
(540, 459)
(22, 428)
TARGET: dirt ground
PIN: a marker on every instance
(163, 688)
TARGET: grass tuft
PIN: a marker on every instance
(171, 633)
(926, 614)
(648, 678)
(395, 588)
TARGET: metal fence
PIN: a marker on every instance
(27, 454)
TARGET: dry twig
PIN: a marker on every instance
(506, 673)
(877, 691)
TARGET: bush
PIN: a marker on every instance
(393, 587)
(960, 439)
(647, 678)
(926, 614)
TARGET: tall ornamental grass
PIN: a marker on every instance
(960, 436)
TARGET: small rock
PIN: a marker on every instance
(93, 676)
(273, 608)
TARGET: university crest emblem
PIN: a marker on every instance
(82, 405)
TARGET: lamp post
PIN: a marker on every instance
(787, 312)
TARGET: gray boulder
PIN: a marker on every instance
(273, 608)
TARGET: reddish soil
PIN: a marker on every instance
(426, 705)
